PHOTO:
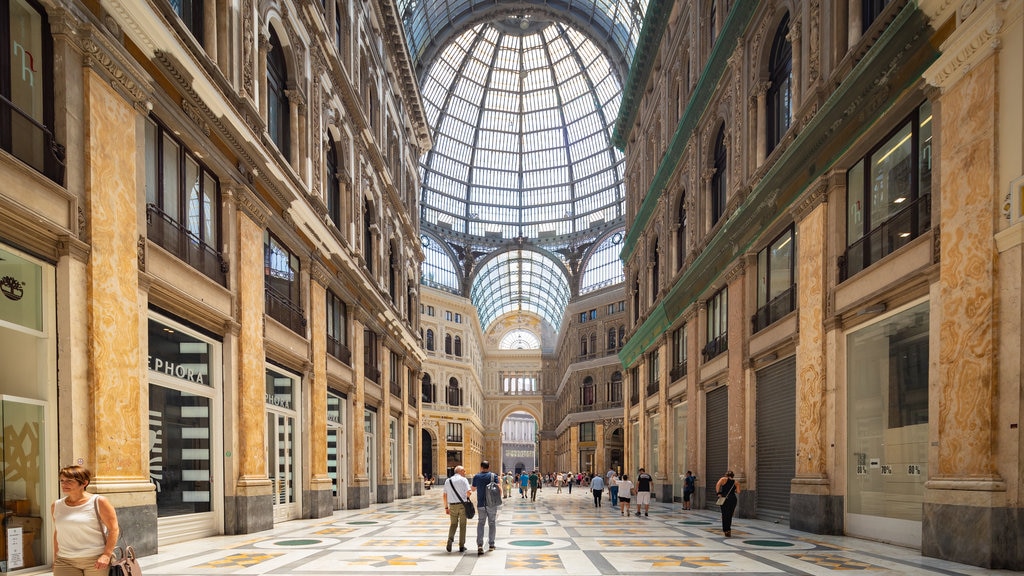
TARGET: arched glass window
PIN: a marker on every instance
(332, 183)
(588, 392)
(622, 336)
(427, 390)
(453, 393)
(611, 339)
(583, 346)
(681, 232)
(519, 340)
(615, 388)
(447, 343)
(438, 270)
(278, 114)
(393, 271)
(718, 180)
(779, 100)
(593, 343)
(604, 267)
(430, 340)
(191, 14)
(458, 346)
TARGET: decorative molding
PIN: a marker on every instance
(975, 38)
(140, 247)
(814, 43)
(195, 114)
(248, 41)
(252, 206)
(735, 271)
(102, 56)
(73, 248)
(815, 195)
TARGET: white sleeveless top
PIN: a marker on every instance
(78, 529)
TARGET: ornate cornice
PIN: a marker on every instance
(252, 206)
(101, 55)
(976, 37)
(815, 195)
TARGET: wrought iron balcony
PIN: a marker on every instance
(171, 235)
(338, 350)
(775, 309)
(31, 142)
(281, 308)
(891, 235)
(715, 347)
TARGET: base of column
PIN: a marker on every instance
(138, 526)
(405, 490)
(663, 493)
(816, 513)
(385, 493)
(318, 503)
(248, 514)
(358, 497)
(991, 538)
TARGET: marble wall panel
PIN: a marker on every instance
(113, 283)
(810, 351)
(252, 373)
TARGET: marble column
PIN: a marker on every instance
(386, 478)
(115, 422)
(600, 455)
(319, 496)
(359, 490)
(738, 439)
(664, 489)
(968, 514)
(813, 505)
(253, 506)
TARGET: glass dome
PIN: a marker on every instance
(522, 113)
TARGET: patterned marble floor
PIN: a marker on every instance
(558, 534)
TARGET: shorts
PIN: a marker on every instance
(686, 496)
(643, 498)
(621, 499)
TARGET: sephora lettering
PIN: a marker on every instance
(182, 371)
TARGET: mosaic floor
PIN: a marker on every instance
(558, 534)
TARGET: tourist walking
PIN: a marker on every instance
(487, 505)
(727, 488)
(597, 487)
(457, 491)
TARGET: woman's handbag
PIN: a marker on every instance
(123, 562)
(466, 504)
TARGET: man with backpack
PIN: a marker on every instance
(489, 495)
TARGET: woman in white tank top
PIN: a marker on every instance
(85, 527)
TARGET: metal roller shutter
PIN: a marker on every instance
(776, 438)
(716, 443)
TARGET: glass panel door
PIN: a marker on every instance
(281, 465)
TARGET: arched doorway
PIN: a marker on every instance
(427, 450)
(519, 438)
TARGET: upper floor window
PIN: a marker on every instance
(371, 356)
(430, 340)
(679, 352)
(427, 390)
(615, 388)
(634, 385)
(458, 346)
(453, 395)
(368, 223)
(191, 14)
(458, 318)
(583, 346)
(779, 99)
(183, 202)
(26, 89)
(871, 10)
(653, 372)
(588, 395)
(448, 315)
(681, 232)
(393, 271)
(587, 432)
(447, 343)
(333, 183)
(888, 194)
(717, 340)
(712, 24)
(282, 284)
(776, 280)
(718, 179)
(611, 339)
(655, 271)
(454, 432)
(583, 317)
(337, 328)
(278, 108)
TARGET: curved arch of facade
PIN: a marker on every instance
(526, 408)
(433, 272)
(602, 266)
(527, 279)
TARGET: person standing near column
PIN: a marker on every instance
(689, 483)
(456, 491)
(85, 527)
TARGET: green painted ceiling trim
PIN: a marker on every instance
(892, 66)
(735, 25)
(655, 22)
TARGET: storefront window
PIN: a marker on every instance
(181, 401)
(21, 487)
(888, 415)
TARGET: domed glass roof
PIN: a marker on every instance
(522, 113)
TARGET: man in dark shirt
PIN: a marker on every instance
(643, 492)
(534, 485)
(487, 515)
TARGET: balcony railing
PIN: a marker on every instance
(371, 373)
(170, 235)
(412, 398)
(396, 389)
(775, 309)
(715, 347)
(909, 223)
(653, 387)
(337, 349)
(280, 308)
(678, 372)
(634, 399)
(31, 142)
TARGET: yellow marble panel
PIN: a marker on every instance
(810, 351)
(113, 281)
(966, 387)
(252, 373)
(318, 387)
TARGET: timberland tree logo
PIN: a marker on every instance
(12, 288)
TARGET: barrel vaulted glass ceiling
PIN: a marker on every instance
(522, 100)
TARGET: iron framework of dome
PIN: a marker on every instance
(523, 182)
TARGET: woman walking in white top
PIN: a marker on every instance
(85, 527)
